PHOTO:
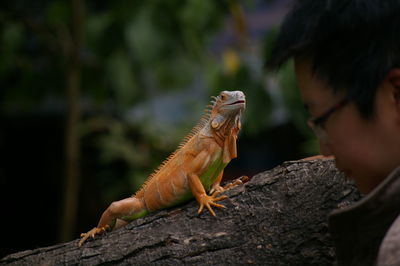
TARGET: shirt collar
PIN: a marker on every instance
(358, 230)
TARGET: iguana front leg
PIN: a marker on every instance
(197, 187)
(202, 198)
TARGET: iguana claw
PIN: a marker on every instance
(217, 188)
(92, 233)
(207, 201)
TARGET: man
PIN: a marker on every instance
(347, 62)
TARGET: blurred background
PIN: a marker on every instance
(95, 94)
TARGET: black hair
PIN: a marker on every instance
(351, 44)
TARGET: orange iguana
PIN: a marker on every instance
(194, 168)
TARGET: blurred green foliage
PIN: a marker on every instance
(134, 51)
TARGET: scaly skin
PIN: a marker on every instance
(195, 168)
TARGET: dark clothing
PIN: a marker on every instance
(358, 230)
(389, 253)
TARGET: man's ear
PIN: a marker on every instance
(394, 79)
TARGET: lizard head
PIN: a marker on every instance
(227, 109)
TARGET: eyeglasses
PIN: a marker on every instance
(317, 123)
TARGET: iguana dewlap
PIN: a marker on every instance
(194, 168)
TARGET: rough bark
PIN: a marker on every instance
(278, 218)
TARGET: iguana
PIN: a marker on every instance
(194, 168)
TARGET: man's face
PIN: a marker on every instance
(365, 150)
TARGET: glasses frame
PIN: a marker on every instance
(317, 123)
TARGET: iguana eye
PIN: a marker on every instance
(223, 97)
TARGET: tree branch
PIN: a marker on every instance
(278, 218)
(72, 50)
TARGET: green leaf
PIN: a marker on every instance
(12, 37)
(120, 75)
(58, 12)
